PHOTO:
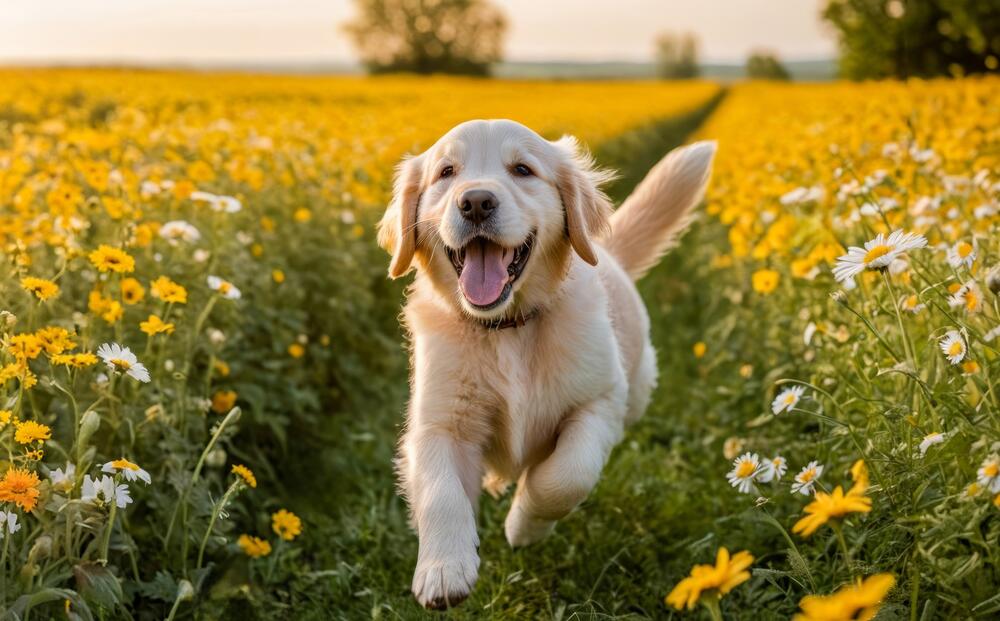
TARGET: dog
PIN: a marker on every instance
(530, 345)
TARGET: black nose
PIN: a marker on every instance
(477, 205)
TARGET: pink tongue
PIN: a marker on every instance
(485, 271)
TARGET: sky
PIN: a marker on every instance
(307, 31)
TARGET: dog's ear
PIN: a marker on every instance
(588, 208)
(397, 231)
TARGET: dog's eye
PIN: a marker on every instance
(446, 172)
(522, 171)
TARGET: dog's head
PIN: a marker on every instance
(492, 212)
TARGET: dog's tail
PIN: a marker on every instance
(651, 220)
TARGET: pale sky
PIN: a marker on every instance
(236, 31)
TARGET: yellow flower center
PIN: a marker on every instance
(808, 475)
(876, 252)
(777, 461)
(746, 469)
(956, 348)
(991, 470)
(124, 464)
(971, 300)
(964, 249)
(790, 398)
(911, 302)
(125, 365)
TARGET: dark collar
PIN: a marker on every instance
(510, 322)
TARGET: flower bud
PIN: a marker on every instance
(185, 591)
(91, 421)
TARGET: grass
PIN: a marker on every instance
(613, 558)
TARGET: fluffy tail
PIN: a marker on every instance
(651, 220)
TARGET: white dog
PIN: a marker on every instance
(530, 344)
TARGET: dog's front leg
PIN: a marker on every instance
(443, 476)
(551, 489)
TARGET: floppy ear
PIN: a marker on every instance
(397, 231)
(588, 208)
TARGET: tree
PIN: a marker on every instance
(915, 38)
(766, 66)
(428, 36)
(677, 55)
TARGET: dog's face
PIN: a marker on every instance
(491, 212)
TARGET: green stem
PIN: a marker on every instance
(107, 533)
(216, 510)
(711, 603)
(843, 546)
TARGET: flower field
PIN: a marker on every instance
(202, 376)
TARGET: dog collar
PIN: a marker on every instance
(511, 322)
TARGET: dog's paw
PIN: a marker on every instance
(523, 529)
(440, 584)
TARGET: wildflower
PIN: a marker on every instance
(802, 195)
(55, 340)
(5, 416)
(806, 479)
(29, 432)
(131, 470)
(876, 254)
(42, 288)
(962, 253)
(254, 547)
(953, 346)
(8, 523)
(105, 490)
(63, 480)
(711, 581)
(765, 281)
(970, 367)
(968, 297)
(745, 470)
(296, 351)
(168, 291)
(107, 258)
(773, 469)
(787, 399)
(286, 524)
(246, 474)
(179, 231)
(225, 288)
(132, 291)
(988, 475)
(911, 304)
(122, 360)
(972, 490)
(20, 487)
(217, 202)
(859, 474)
(278, 276)
(826, 507)
(746, 371)
(699, 349)
(930, 440)
(155, 325)
(24, 347)
(223, 401)
(302, 215)
(860, 600)
(78, 360)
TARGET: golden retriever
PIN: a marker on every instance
(530, 345)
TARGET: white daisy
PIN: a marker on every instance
(876, 254)
(968, 297)
(953, 346)
(805, 480)
(988, 474)
(105, 490)
(122, 360)
(745, 470)
(218, 202)
(8, 523)
(992, 334)
(63, 480)
(930, 440)
(131, 471)
(773, 469)
(787, 399)
(921, 155)
(179, 230)
(984, 211)
(911, 304)
(802, 195)
(227, 289)
(962, 253)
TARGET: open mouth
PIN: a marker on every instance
(487, 271)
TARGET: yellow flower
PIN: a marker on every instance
(5, 417)
(223, 401)
(24, 347)
(132, 291)
(20, 487)
(107, 258)
(715, 581)
(221, 367)
(278, 276)
(254, 547)
(859, 474)
(826, 507)
(302, 215)
(856, 602)
(970, 366)
(296, 351)
(168, 291)
(29, 431)
(79, 360)
(286, 524)
(246, 474)
(109, 310)
(765, 281)
(699, 349)
(42, 288)
(55, 340)
(155, 325)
